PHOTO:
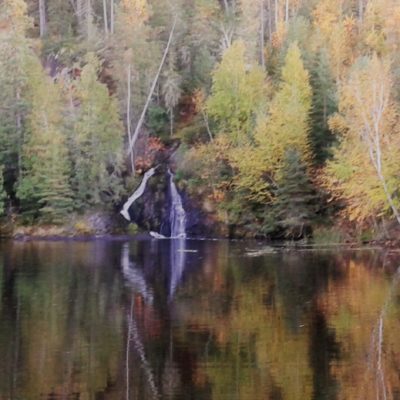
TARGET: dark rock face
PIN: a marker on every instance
(198, 222)
(151, 212)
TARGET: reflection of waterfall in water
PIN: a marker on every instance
(137, 193)
(177, 214)
(376, 353)
(134, 276)
(177, 264)
(137, 282)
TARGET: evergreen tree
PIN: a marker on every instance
(97, 141)
(14, 51)
(43, 187)
(3, 194)
(294, 207)
(324, 105)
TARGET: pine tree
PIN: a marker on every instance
(43, 187)
(3, 194)
(324, 105)
(14, 51)
(97, 141)
(294, 207)
(287, 124)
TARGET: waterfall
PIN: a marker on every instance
(134, 276)
(177, 264)
(137, 193)
(177, 215)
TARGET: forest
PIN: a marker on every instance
(279, 118)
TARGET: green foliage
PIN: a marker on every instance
(43, 187)
(238, 94)
(133, 229)
(295, 204)
(3, 194)
(14, 52)
(324, 105)
(242, 119)
(96, 141)
(157, 121)
(285, 126)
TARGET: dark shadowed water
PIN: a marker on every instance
(179, 319)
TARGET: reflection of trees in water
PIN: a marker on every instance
(364, 316)
(65, 335)
(376, 353)
(136, 279)
(148, 319)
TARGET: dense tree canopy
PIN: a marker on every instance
(242, 84)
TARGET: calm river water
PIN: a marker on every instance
(173, 319)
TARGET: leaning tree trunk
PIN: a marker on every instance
(42, 18)
(150, 95)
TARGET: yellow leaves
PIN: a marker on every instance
(136, 12)
(238, 92)
(337, 124)
(367, 122)
(325, 16)
(279, 36)
(13, 17)
(338, 33)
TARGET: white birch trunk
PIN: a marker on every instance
(262, 35)
(111, 16)
(269, 20)
(372, 136)
(128, 116)
(153, 86)
(137, 193)
(287, 12)
(105, 17)
(42, 18)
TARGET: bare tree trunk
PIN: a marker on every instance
(88, 16)
(79, 12)
(269, 20)
(226, 6)
(105, 17)
(360, 11)
(287, 12)
(262, 35)
(171, 118)
(153, 86)
(205, 118)
(111, 16)
(42, 18)
(372, 136)
(227, 36)
(18, 121)
(128, 116)
(276, 14)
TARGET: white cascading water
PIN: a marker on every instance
(137, 193)
(177, 215)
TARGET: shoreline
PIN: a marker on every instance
(270, 246)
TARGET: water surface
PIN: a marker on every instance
(176, 319)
